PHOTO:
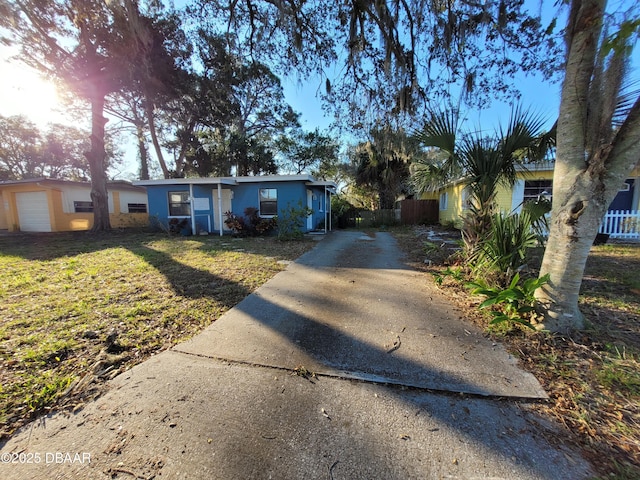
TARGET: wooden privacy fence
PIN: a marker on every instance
(377, 218)
(411, 212)
(414, 212)
(621, 224)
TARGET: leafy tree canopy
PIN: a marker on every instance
(377, 58)
(57, 152)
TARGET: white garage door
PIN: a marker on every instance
(33, 212)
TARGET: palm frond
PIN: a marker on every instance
(523, 132)
(439, 131)
(629, 93)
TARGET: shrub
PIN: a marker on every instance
(251, 225)
(291, 221)
(514, 304)
(179, 226)
(504, 248)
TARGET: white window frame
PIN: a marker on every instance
(187, 202)
(444, 201)
(465, 198)
(260, 200)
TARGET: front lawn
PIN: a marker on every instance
(77, 309)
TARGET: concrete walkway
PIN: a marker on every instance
(386, 360)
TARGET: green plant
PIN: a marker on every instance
(179, 226)
(291, 220)
(251, 225)
(621, 375)
(455, 274)
(504, 248)
(538, 211)
(515, 303)
(430, 247)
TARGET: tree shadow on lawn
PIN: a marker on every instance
(51, 246)
(192, 282)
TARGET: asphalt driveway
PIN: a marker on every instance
(346, 365)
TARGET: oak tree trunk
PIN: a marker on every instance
(96, 157)
(148, 107)
(142, 151)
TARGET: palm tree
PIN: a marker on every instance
(482, 163)
(383, 163)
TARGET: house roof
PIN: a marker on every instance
(308, 179)
(115, 185)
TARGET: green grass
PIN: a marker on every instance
(61, 295)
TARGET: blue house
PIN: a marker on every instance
(204, 201)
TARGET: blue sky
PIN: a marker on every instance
(541, 96)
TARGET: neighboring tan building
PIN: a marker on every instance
(48, 205)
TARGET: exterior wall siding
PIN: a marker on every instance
(244, 195)
(509, 199)
(453, 212)
(4, 206)
(62, 217)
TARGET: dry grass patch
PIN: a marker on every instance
(76, 309)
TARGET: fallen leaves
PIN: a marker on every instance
(394, 346)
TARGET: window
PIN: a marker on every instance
(83, 207)
(466, 198)
(534, 189)
(444, 200)
(137, 207)
(268, 202)
(179, 205)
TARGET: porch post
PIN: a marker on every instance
(220, 208)
(327, 211)
(192, 209)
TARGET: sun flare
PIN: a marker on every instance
(24, 92)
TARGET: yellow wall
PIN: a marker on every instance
(454, 211)
(3, 215)
(60, 220)
(9, 196)
(539, 175)
(504, 194)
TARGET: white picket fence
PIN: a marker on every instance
(621, 224)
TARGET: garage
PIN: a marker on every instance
(33, 211)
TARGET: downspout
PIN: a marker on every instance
(220, 208)
(326, 211)
(330, 213)
(192, 209)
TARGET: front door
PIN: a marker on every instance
(226, 207)
(310, 205)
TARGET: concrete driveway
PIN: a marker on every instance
(346, 365)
